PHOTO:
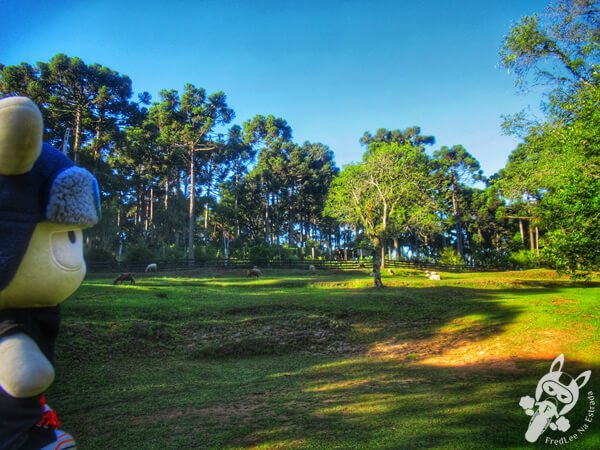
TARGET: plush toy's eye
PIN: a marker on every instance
(67, 249)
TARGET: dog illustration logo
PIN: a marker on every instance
(556, 394)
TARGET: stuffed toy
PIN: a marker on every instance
(45, 202)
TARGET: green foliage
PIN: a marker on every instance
(524, 259)
(552, 177)
(99, 254)
(261, 254)
(139, 252)
(561, 47)
(450, 257)
(207, 252)
(410, 136)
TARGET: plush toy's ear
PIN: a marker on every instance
(21, 131)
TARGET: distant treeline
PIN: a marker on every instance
(179, 180)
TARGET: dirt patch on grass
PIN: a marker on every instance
(477, 346)
(500, 352)
(563, 301)
(217, 414)
(262, 336)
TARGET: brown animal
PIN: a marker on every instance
(390, 272)
(125, 277)
(253, 273)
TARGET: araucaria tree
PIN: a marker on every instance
(554, 171)
(189, 123)
(379, 193)
(455, 168)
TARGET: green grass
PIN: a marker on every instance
(294, 360)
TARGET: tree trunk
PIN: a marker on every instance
(208, 190)
(522, 230)
(377, 252)
(226, 246)
(235, 206)
(191, 212)
(76, 143)
(458, 224)
(151, 205)
(267, 221)
(166, 203)
(531, 238)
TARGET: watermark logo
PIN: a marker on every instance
(556, 394)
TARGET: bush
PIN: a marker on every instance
(139, 251)
(450, 257)
(206, 252)
(98, 254)
(261, 254)
(524, 259)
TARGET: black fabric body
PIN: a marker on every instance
(18, 416)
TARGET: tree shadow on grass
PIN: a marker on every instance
(390, 388)
(386, 404)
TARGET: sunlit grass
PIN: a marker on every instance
(298, 360)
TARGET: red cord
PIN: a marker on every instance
(49, 419)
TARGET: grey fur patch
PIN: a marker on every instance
(74, 199)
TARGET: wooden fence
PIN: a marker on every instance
(239, 264)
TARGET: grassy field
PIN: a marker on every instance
(293, 360)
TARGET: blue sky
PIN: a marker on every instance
(332, 69)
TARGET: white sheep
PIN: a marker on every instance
(151, 268)
(432, 275)
(312, 268)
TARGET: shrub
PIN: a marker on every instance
(450, 257)
(524, 259)
(139, 251)
(206, 252)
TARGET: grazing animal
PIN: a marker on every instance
(125, 277)
(253, 273)
(312, 268)
(151, 268)
(432, 275)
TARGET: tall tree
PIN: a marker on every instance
(199, 114)
(272, 136)
(93, 101)
(455, 167)
(189, 123)
(392, 180)
(558, 159)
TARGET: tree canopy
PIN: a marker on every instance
(181, 180)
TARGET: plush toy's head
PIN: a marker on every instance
(45, 202)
